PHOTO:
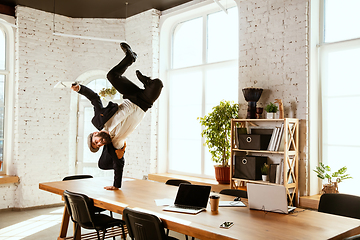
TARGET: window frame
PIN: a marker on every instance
(168, 25)
(9, 97)
(318, 47)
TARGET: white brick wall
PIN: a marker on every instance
(42, 133)
(273, 56)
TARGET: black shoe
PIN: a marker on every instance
(144, 79)
(127, 50)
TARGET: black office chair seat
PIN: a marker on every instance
(234, 192)
(176, 182)
(144, 226)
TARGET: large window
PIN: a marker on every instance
(6, 88)
(203, 71)
(340, 85)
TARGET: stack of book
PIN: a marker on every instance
(277, 139)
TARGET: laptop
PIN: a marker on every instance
(190, 198)
(271, 198)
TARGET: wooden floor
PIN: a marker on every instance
(39, 224)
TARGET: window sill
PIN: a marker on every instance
(163, 177)
(4, 179)
(311, 202)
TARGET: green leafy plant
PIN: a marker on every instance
(325, 172)
(265, 169)
(271, 108)
(217, 128)
(107, 92)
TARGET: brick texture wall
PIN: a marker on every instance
(43, 127)
(273, 56)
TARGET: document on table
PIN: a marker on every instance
(231, 204)
(164, 202)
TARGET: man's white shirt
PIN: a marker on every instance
(124, 122)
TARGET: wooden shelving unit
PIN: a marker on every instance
(290, 152)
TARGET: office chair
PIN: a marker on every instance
(340, 204)
(81, 210)
(74, 177)
(176, 182)
(234, 192)
(144, 226)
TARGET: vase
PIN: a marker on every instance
(270, 115)
(264, 177)
(222, 174)
(330, 188)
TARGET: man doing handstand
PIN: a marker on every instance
(115, 122)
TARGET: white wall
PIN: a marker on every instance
(273, 55)
(42, 136)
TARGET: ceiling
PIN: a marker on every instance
(96, 8)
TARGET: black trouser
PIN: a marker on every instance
(144, 98)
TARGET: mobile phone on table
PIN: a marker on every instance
(226, 224)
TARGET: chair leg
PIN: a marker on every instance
(123, 232)
(98, 235)
(167, 232)
(76, 229)
(103, 237)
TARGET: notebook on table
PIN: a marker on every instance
(190, 198)
(271, 198)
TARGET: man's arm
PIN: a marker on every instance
(93, 97)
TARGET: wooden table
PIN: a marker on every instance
(248, 224)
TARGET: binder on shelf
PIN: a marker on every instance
(272, 173)
(271, 146)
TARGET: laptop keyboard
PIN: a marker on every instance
(187, 207)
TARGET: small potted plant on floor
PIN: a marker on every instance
(331, 186)
(265, 171)
(271, 110)
(217, 129)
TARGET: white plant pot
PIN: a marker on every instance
(264, 177)
(270, 115)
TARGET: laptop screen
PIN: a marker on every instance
(193, 195)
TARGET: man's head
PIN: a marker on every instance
(97, 140)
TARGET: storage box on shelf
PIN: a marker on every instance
(282, 150)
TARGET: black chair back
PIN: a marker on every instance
(80, 208)
(340, 204)
(74, 177)
(143, 226)
(234, 192)
(176, 182)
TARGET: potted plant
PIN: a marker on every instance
(340, 175)
(108, 93)
(271, 109)
(265, 171)
(217, 129)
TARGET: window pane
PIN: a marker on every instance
(340, 84)
(185, 100)
(223, 36)
(221, 84)
(341, 20)
(2, 49)
(187, 43)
